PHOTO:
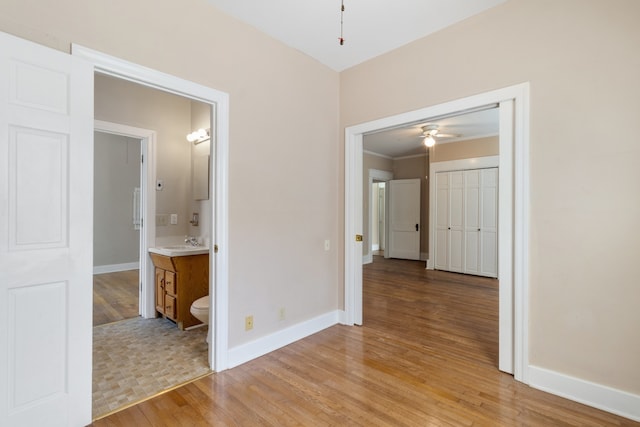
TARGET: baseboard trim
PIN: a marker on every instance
(254, 349)
(367, 259)
(112, 268)
(597, 395)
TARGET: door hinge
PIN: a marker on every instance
(215, 249)
(358, 237)
(141, 158)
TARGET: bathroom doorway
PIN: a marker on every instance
(130, 356)
(117, 222)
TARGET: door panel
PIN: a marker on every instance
(472, 221)
(404, 219)
(489, 225)
(46, 147)
(456, 221)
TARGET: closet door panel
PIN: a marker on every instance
(456, 221)
(442, 222)
(489, 222)
(472, 222)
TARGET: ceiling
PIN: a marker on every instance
(371, 27)
(407, 140)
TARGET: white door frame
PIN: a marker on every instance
(147, 308)
(219, 262)
(379, 176)
(514, 172)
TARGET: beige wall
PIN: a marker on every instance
(283, 178)
(122, 102)
(468, 149)
(581, 59)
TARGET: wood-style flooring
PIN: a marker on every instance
(115, 296)
(425, 356)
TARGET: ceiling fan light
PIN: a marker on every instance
(429, 141)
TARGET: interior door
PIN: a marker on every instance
(472, 250)
(489, 222)
(404, 218)
(46, 159)
(456, 221)
(442, 222)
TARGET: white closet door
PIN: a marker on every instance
(472, 248)
(466, 239)
(456, 221)
(489, 223)
(441, 261)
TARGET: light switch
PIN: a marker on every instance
(174, 219)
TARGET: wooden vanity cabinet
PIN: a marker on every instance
(179, 282)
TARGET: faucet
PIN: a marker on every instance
(191, 240)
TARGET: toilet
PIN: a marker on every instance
(200, 309)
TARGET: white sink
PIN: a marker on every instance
(180, 250)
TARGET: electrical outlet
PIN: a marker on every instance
(248, 323)
(281, 313)
(162, 219)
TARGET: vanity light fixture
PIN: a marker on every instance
(198, 136)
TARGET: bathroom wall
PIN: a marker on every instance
(201, 119)
(169, 115)
(116, 174)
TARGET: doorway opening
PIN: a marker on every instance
(513, 263)
(218, 165)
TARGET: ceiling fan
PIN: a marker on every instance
(431, 132)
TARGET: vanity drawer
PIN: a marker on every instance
(170, 307)
(170, 282)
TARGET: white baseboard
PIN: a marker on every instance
(599, 396)
(424, 256)
(367, 259)
(101, 269)
(254, 349)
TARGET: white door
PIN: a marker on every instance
(489, 223)
(442, 222)
(472, 251)
(404, 218)
(46, 159)
(456, 221)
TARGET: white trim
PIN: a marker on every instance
(113, 268)
(451, 165)
(263, 345)
(596, 395)
(219, 286)
(518, 97)
(147, 303)
(380, 175)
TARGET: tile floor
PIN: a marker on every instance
(137, 358)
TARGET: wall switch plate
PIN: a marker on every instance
(281, 313)
(327, 245)
(174, 219)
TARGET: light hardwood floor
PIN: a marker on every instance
(115, 296)
(425, 356)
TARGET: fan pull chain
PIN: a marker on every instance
(341, 38)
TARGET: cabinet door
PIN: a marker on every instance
(160, 290)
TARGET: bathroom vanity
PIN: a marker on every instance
(181, 277)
